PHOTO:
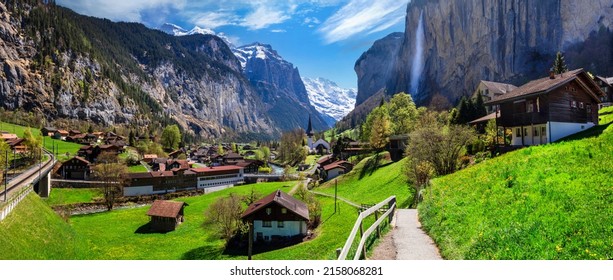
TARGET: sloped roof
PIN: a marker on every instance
(336, 164)
(498, 88)
(294, 205)
(324, 159)
(485, 118)
(82, 160)
(539, 86)
(165, 208)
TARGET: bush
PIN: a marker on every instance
(266, 170)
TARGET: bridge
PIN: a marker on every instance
(36, 178)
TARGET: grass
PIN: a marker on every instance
(372, 181)
(546, 202)
(34, 232)
(63, 196)
(113, 235)
(49, 143)
(137, 168)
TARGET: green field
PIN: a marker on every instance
(63, 196)
(370, 182)
(137, 168)
(547, 202)
(61, 147)
(34, 232)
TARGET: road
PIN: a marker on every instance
(410, 241)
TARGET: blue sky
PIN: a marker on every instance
(323, 38)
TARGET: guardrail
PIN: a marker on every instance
(32, 174)
(361, 250)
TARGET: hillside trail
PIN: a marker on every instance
(407, 240)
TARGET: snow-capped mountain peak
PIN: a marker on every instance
(330, 99)
(176, 30)
(256, 51)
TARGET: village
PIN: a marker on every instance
(539, 112)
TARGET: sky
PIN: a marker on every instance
(323, 38)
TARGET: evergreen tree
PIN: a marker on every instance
(131, 138)
(559, 65)
(480, 110)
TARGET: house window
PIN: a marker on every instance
(573, 104)
(283, 211)
(544, 131)
(536, 131)
(518, 132)
(581, 106)
(268, 211)
(525, 132)
(529, 106)
(266, 224)
(280, 224)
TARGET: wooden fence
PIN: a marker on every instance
(390, 204)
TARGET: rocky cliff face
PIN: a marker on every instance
(280, 87)
(109, 79)
(471, 40)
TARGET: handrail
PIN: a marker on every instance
(31, 173)
(358, 224)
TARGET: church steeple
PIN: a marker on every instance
(309, 131)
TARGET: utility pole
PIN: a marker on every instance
(335, 190)
(6, 173)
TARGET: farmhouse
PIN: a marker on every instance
(336, 169)
(490, 90)
(166, 215)
(606, 85)
(277, 216)
(546, 110)
(76, 168)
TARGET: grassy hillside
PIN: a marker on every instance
(49, 143)
(547, 202)
(63, 196)
(34, 231)
(370, 182)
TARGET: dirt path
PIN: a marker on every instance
(407, 241)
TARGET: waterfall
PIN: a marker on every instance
(418, 60)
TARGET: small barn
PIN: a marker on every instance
(166, 215)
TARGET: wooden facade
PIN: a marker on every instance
(550, 108)
(76, 168)
(166, 215)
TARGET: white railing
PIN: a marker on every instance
(361, 250)
(13, 202)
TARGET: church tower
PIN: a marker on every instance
(310, 134)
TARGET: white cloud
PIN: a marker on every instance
(125, 10)
(362, 16)
(278, 31)
(215, 19)
(313, 20)
(263, 16)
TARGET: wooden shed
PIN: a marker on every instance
(166, 215)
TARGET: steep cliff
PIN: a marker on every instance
(466, 41)
(65, 65)
(280, 87)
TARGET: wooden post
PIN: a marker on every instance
(250, 249)
(338, 252)
(364, 247)
(376, 219)
(391, 215)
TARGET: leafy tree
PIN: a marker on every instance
(4, 148)
(171, 137)
(313, 205)
(220, 150)
(33, 145)
(291, 150)
(90, 129)
(265, 152)
(419, 172)
(225, 215)
(402, 114)
(559, 65)
(112, 173)
(380, 128)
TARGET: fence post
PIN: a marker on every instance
(376, 219)
(389, 205)
(362, 233)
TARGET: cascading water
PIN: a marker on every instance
(418, 60)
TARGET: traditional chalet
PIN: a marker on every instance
(112, 149)
(231, 158)
(5, 136)
(76, 168)
(548, 109)
(335, 169)
(250, 166)
(277, 216)
(175, 154)
(73, 132)
(490, 90)
(166, 215)
(149, 158)
(61, 134)
(48, 131)
(325, 160)
(606, 85)
(89, 152)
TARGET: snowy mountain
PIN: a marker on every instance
(330, 99)
(176, 30)
(257, 51)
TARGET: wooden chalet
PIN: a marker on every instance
(48, 130)
(76, 168)
(166, 215)
(606, 85)
(335, 169)
(490, 90)
(250, 166)
(61, 134)
(276, 216)
(73, 132)
(5, 136)
(548, 109)
(149, 158)
(175, 154)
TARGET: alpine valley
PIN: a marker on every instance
(58, 64)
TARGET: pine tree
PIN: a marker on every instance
(559, 65)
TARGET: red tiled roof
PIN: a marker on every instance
(324, 159)
(296, 206)
(165, 208)
(162, 174)
(150, 156)
(217, 168)
(140, 175)
(335, 165)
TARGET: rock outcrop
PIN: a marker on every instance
(471, 40)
